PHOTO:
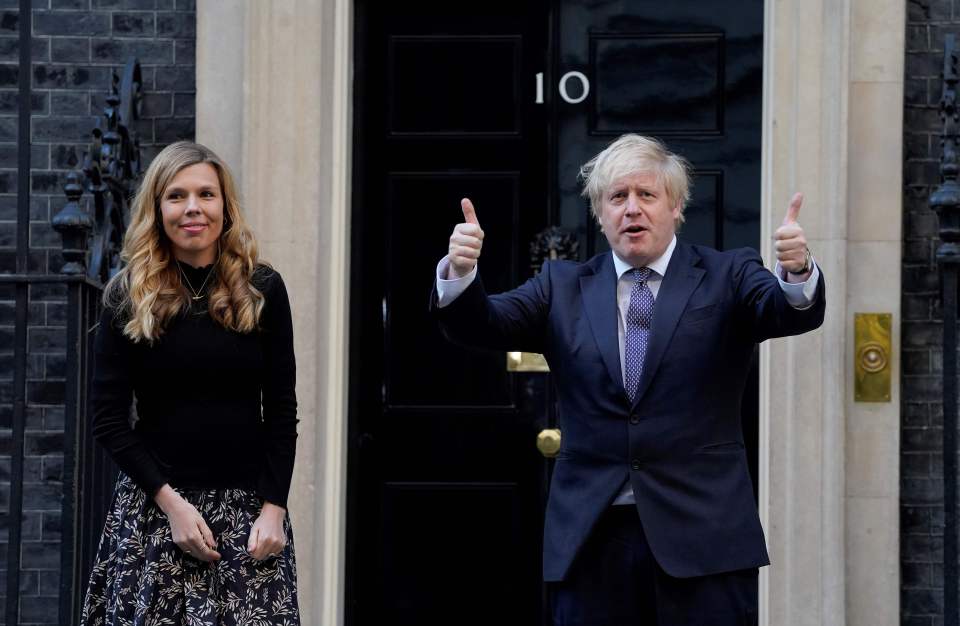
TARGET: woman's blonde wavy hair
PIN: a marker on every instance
(148, 292)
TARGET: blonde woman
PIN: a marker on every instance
(199, 332)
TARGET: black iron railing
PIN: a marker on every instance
(91, 253)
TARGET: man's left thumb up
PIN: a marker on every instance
(793, 211)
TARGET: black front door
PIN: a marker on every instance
(445, 482)
(446, 485)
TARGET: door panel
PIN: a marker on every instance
(704, 214)
(427, 201)
(447, 544)
(631, 72)
(430, 75)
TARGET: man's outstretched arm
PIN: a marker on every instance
(514, 320)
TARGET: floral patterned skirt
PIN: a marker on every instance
(141, 578)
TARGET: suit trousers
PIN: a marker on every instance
(616, 581)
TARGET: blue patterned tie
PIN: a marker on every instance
(639, 315)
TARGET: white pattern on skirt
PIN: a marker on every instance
(141, 578)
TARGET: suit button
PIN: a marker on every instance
(634, 419)
(635, 464)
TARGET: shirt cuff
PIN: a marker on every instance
(800, 295)
(450, 290)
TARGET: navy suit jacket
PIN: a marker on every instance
(680, 442)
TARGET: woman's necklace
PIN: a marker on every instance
(198, 294)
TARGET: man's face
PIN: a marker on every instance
(637, 218)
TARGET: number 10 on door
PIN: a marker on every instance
(562, 87)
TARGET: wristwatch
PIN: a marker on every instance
(806, 264)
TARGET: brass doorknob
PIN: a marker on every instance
(548, 442)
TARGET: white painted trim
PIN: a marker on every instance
(333, 471)
(763, 426)
(802, 385)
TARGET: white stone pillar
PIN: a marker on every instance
(833, 100)
(273, 98)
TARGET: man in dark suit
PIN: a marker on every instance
(651, 517)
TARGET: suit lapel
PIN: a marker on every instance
(682, 278)
(600, 306)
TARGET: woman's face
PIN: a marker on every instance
(191, 208)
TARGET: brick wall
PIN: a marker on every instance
(76, 45)
(921, 489)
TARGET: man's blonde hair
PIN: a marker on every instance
(631, 154)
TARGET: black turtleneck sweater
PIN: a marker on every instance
(215, 408)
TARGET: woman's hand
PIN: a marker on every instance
(187, 527)
(267, 537)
